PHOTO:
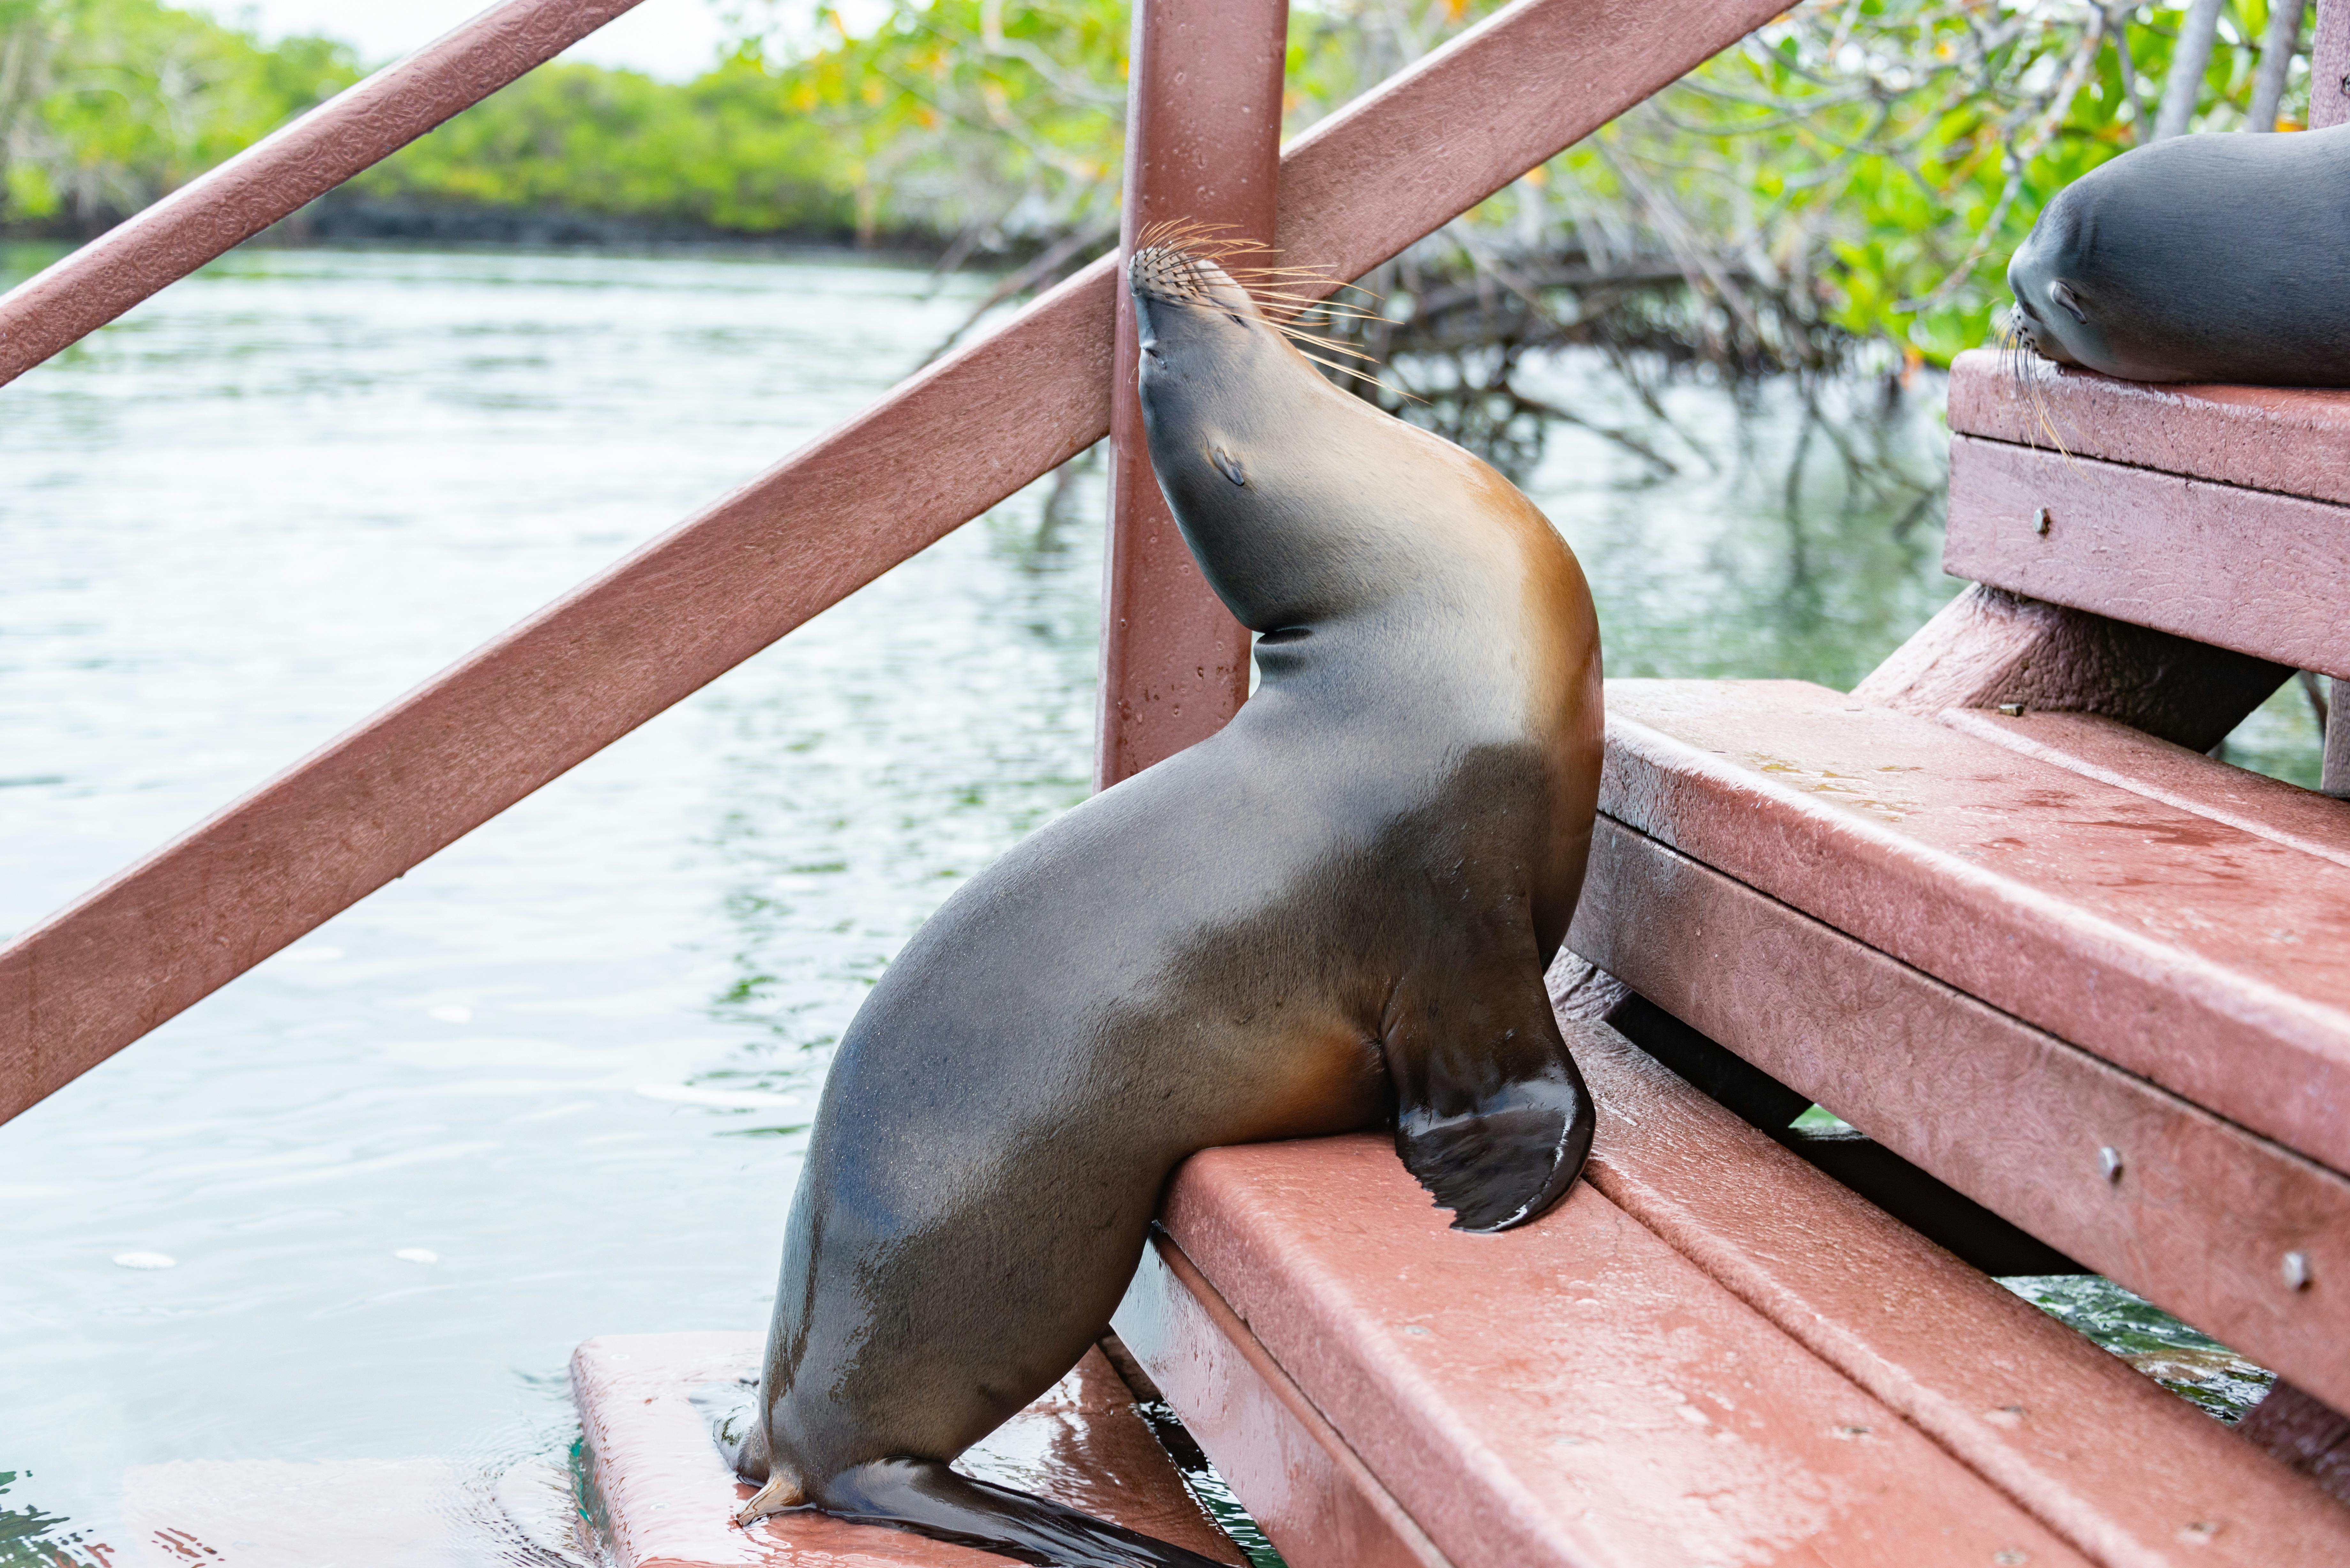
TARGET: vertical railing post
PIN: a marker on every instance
(1202, 142)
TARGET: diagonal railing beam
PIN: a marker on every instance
(936, 451)
(293, 165)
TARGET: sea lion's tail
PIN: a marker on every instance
(926, 1497)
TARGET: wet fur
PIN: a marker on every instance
(1333, 913)
(2203, 258)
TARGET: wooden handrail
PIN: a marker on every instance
(936, 451)
(1203, 143)
(295, 164)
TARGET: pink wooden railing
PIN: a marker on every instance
(937, 451)
(275, 176)
(1203, 142)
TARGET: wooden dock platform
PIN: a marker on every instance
(661, 1497)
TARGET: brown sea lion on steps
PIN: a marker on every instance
(1334, 912)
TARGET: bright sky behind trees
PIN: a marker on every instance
(672, 39)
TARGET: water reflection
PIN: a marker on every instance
(2193, 1365)
(1799, 536)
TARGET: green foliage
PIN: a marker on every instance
(996, 122)
(723, 151)
(1855, 172)
(1868, 166)
(106, 105)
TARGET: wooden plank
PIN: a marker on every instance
(1572, 1392)
(2199, 1215)
(2291, 439)
(2124, 1470)
(2334, 768)
(1311, 1494)
(947, 444)
(662, 1497)
(2128, 758)
(2306, 1434)
(2246, 569)
(1988, 648)
(2213, 962)
(1203, 144)
(299, 162)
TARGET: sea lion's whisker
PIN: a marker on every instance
(1171, 253)
(1300, 335)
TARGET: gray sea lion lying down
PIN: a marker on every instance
(2203, 258)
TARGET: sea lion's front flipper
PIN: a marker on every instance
(1490, 1113)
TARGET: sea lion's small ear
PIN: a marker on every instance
(1492, 1116)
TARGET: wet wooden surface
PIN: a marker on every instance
(664, 1499)
(1300, 1480)
(1576, 1391)
(2117, 754)
(2019, 1398)
(2294, 441)
(2199, 1215)
(2214, 961)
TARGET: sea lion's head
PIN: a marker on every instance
(2202, 258)
(2047, 275)
(1252, 446)
(1205, 339)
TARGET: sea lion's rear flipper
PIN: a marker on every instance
(926, 1497)
(1490, 1113)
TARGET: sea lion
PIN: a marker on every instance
(2203, 258)
(1335, 911)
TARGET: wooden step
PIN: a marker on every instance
(2124, 1469)
(2212, 960)
(2114, 754)
(2247, 569)
(2294, 441)
(663, 1497)
(1576, 1392)
(1717, 1355)
(1980, 958)
(2218, 514)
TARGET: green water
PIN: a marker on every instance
(2193, 1365)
